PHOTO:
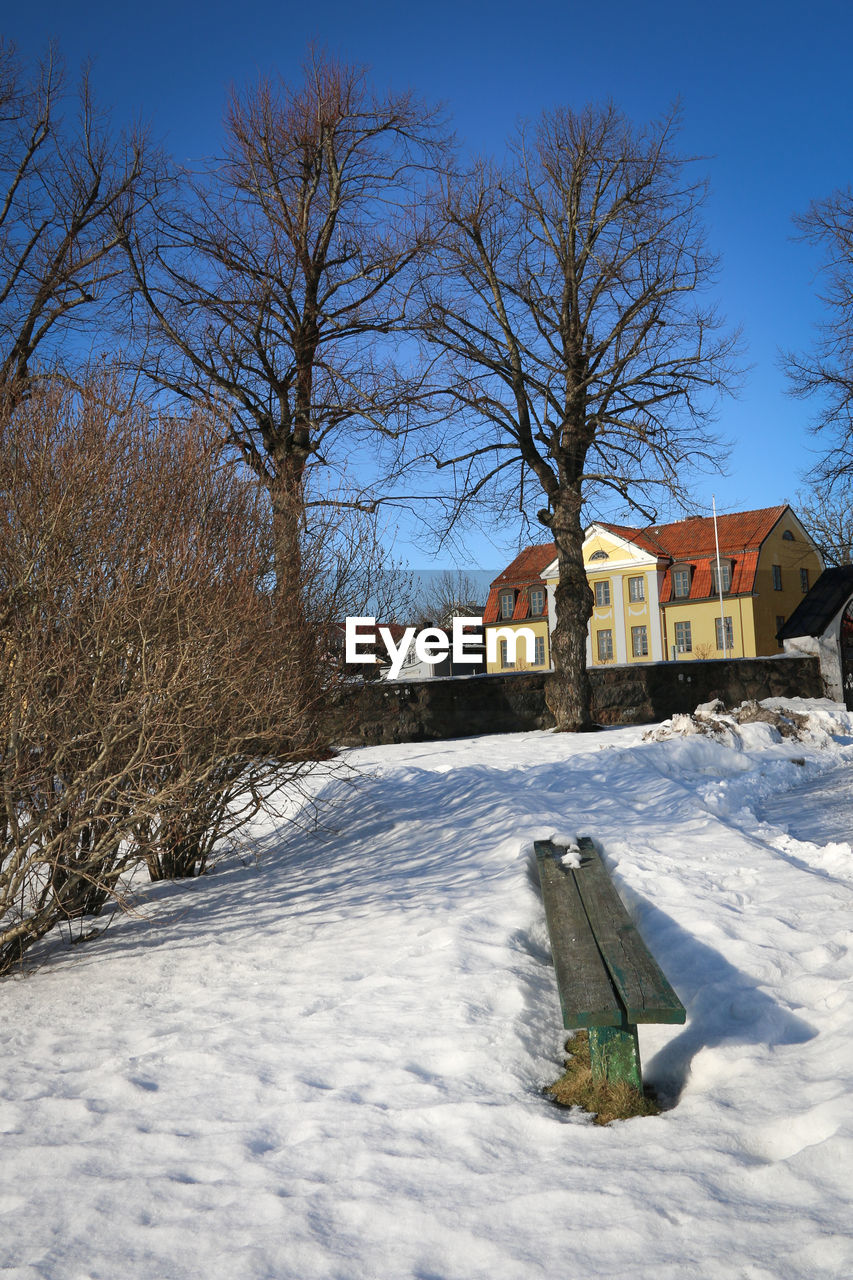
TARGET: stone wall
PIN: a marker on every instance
(425, 710)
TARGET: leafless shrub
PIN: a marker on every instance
(150, 688)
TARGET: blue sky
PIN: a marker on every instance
(767, 98)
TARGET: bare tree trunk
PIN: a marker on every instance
(568, 690)
(287, 503)
(294, 592)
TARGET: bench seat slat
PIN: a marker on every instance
(587, 997)
(639, 981)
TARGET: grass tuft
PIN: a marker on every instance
(607, 1102)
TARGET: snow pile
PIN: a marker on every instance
(327, 1061)
(820, 723)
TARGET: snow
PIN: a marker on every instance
(326, 1059)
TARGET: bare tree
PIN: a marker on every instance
(61, 188)
(826, 510)
(446, 595)
(565, 303)
(827, 371)
(273, 279)
(349, 569)
(147, 702)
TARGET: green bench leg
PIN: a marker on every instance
(615, 1055)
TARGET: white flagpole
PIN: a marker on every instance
(719, 578)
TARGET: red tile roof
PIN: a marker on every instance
(685, 539)
(527, 566)
(701, 584)
(642, 538)
(683, 542)
(691, 542)
(743, 531)
(491, 613)
(524, 572)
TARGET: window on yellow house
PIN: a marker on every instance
(804, 581)
(730, 643)
(604, 641)
(636, 590)
(639, 642)
(725, 577)
(539, 653)
(507, 604)
(777, 577)
(506, 666)
(681, 583)
(537, 602)
(602, 593)
(683, 637)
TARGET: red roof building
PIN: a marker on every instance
(658, 593)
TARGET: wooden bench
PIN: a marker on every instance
(607, 979)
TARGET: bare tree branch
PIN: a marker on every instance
(826, 372)
(61, 189)
(827, 512)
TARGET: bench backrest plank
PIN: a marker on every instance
(639, 981)
(587, 997)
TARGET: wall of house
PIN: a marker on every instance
(539, 627)
(622, 613)
(791, 555)
(702, 616)
(382, 712)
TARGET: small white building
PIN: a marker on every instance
(822, 624)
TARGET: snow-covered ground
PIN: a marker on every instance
(327, 1061)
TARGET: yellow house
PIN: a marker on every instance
(625, 574)
(657, 595)
(518, 603)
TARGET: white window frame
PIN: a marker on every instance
(506, 602)
(726, 572)
(537, 593)
(601, 643)
(730, 635)
(639, 650)
(637, 590)
(539, 652)
(685, 645)
(602, 593)
(502, 649)
(677, 576)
